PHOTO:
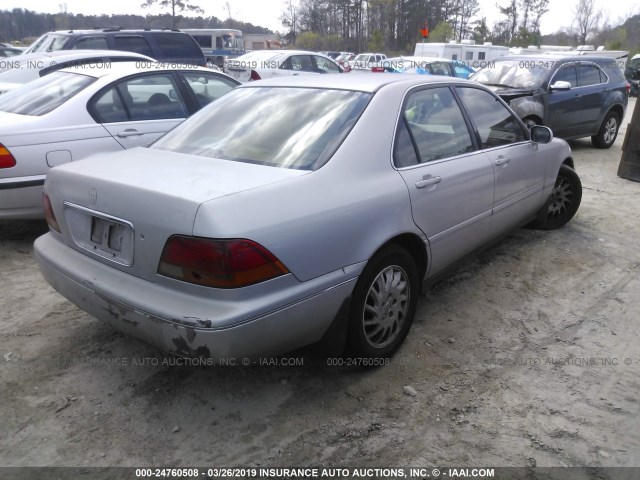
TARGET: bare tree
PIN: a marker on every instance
(175, 5)
(462, 16)
(587, 18)
(289, 19)
(509, 26)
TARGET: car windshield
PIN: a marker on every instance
(514, 73)
(45, 94)
(296, 128)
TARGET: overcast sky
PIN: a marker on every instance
(266, 13)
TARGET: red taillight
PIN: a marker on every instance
(6, 159)
(628, 88)
(230, 263)
(254, 75)
(377, 69)
(48, 213)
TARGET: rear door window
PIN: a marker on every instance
(132, 43)
(177, 47)
(590, 75)
(91, 43)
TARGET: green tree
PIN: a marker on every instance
(442, 33)
(481, 33)
(176, 6)
(376, 44)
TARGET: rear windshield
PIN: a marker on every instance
(45, 94)
(296, 128)
(177, 46)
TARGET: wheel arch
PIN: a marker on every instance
(569, 163)
(618, 110)
(416, 247)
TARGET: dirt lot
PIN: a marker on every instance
(527, 355)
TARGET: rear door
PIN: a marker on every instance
(297, 65)
(592, 85)
(138, 109)
(450, 183)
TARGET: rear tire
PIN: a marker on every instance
(384, 304)
(563, 202)
(608, 131)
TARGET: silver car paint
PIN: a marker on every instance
(323, 225)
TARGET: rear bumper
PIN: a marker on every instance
(21, 198)
(99, 290)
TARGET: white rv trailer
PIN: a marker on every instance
(476, 56)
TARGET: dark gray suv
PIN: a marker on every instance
(162, 44)
(576, 96)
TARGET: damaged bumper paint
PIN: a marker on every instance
(93, 287)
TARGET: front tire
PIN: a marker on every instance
(384, 304)
(563, 202)
(608, 131)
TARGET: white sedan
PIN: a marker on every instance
(279, 63)
(73, 113)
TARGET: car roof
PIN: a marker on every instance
(66, 55)
(418, 59)
(129, 68)
(84, 31)
(363, 83)
(555, 58)
(291, 52)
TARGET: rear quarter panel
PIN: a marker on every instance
(336, 216)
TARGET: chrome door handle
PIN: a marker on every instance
(129, 132)
(426, 181)
(502, 160)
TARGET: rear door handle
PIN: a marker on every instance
(129, 132)
(502, 161)
(428, 180)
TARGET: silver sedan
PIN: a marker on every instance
(235, 238)
(71, 114)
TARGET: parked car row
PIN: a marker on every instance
(215, 236)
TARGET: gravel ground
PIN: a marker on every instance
(527, 355)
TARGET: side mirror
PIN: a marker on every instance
(561, 85)
(541, 134)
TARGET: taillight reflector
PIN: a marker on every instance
(48, 213)
(254, 75)
(230, 263)
(6, 159)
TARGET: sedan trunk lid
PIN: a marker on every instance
(102, 203)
